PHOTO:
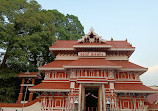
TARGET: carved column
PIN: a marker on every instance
(80, 94)
(103, 92)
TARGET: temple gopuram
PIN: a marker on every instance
(90, 74)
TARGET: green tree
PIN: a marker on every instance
(67, 27)
(26, 33)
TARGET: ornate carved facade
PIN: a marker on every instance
(91, 74)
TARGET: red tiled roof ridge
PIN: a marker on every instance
(52, 85)
(29, 73)
(70, 43)
(137, 65)
(106, 40)
(153, 106)
(117, 41)
(91, 62)
(126, 86)
(51, 64)
(130, 63)
(87, 43)
(152, 98)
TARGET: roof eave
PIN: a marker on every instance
(50, 90)
(49, 68)
(122, 49)
(92, 46)
(141, 70)
(134, 91)
(116, 67)
(53, 49)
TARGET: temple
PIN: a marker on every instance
(90, 74)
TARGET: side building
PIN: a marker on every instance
(90, 74)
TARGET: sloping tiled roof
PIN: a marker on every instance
(87, 43)
(64, 44)
(91, 62)
(56, 64)
(152, 98)
(127, 65)
(51, 86)
(153, 106)
(70, 43)
(29, 74)
(134, 87)
(119, 44)
(100, 62)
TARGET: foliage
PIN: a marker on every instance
(26, 32)
(67, 27)
(9, 85)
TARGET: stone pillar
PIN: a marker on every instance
(83, 98)
(80, 94)
(112, 96)
(103, 92)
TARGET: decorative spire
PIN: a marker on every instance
(112, 39)
(91, 29)
(27, 72)
(91, 37)
(27, 65)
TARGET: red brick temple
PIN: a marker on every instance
(90, 74)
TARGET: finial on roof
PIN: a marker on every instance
(126, 39)
(112, 39)
(27, 72)
(27, 65)
(91, 30)
(57, 38)
(91, 37)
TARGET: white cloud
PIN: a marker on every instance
(150, 78)
(153, 69)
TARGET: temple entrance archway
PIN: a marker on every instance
(91, 99)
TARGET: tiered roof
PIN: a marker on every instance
(52, 86)
(55, 65)
(153, 98)
(126, 65)
(29, 74)
(92, 63)
(69, 44)
(133, 88)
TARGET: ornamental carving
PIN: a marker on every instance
(91, 37)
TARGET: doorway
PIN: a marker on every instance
(91, 99)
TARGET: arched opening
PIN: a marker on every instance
(91, 99)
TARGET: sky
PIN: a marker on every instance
(136, 20)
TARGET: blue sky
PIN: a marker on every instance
(136, 20)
